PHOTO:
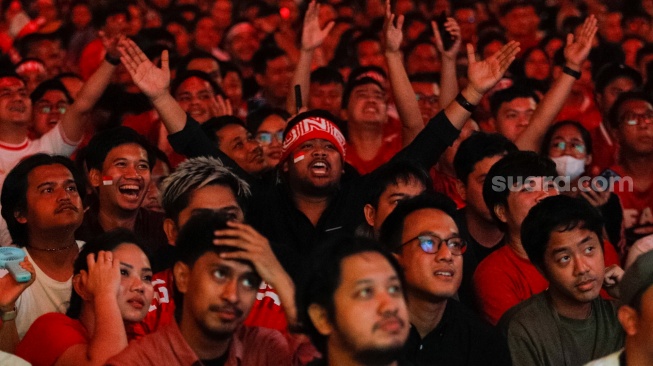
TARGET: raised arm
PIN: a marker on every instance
(448, 79)
(99, 285)
(73, 120)
(312, 38)
(154, 82)
(10, 290)
(576, 52)
(405, 99)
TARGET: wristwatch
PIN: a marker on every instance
(8, 315)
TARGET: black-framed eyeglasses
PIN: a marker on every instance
(430, 243)
(265, 138)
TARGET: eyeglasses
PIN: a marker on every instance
(431, 243)
(637, 119)
(562, 146)
(265, 138)
(431, 99)
(47, 108)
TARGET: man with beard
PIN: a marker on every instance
(568, 323)
(313, 201)
(352, 305)
(423, 236)
(214, 296)
(119, 163)
(42, 203)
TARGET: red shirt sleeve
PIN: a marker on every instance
(51, 334)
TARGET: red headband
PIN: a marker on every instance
(313, 128)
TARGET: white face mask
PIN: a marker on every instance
(569, 166)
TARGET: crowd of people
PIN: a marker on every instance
(336, 182)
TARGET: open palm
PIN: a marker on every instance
(151, 80)
(483, 75)
(312, 35)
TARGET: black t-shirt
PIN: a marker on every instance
(220, 361)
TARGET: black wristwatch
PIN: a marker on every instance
(465, 103)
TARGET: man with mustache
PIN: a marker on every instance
(42, 204)
(422, 235)
(214, 294)
(119, 163)
(569, 323)
(352, 305)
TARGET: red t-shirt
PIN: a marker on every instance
(49, 337)
(504, 279)
(447, 185)
(391, 145)
(266, 311)
(637, 207)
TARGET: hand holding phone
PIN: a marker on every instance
(447, 39)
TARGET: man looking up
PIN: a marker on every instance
(569, 323)
(424, 238)
(314, 200)
(213, 297)
(42, 203)
(352, 305)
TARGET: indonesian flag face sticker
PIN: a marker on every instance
(107, 180)
(299, 156)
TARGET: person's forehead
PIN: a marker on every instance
(567, 131)
(193, 83)
(426, 88)
(327, 86)
(364, 267)
(367, 87)
(50, 172)
(570, 238)
(211, 259)
(126, 150)
(11, 82)
(634, 105)
(430, 218)
(231, 130)
(52, 95)
(519, 103)
(203, 64)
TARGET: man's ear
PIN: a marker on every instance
(181, 271)
(628, 318)
(320, 319)
(370, 213)
(502, 212)
(461, 188)
(95, 178)
(20, 217)
(170, 228)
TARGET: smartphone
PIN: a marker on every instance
(610, 177)
(298, 97)
(447, 38)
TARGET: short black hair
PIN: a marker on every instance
(513, 168)
(264, 55)
(613, 114)
(321, 283)
(487, 37)
(584, 134)
(103, 142)
(14, 191)
(393, 226)
(354, 83)
(182, 66)
(425, 77)
(478, 146)
(513, 4)
(107, 241)
(326, 75)
(508, 95)
(612, 71)
(394, 172)
(180, 78)
(255, 118)
(558, 213)
(215, 124)
(48, 85)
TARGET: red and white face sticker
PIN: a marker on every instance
(299, 156)
(107, 180)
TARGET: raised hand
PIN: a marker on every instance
(452, 27)
(483, 75)
(312, 35)
(578, 48)
(611, 279)
(392, 34)
(103, 275)
(10, 290)
(151, 80)
(220, 106)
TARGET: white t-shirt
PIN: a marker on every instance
(45, 295)
(53, 142)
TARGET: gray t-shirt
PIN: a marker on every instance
(537, 335)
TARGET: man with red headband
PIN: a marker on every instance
(313, 202)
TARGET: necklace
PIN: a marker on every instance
(53, 249)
